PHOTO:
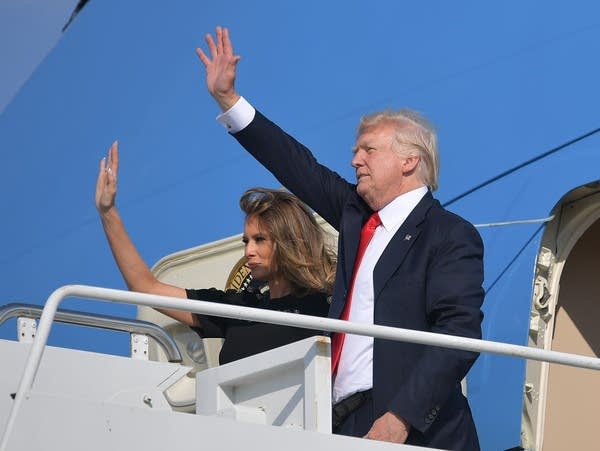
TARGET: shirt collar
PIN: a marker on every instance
(395, 213)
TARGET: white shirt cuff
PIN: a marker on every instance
(238, 117)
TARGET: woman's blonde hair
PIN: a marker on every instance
(300, 252)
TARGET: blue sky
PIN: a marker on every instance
(29, 29)
(502, 81)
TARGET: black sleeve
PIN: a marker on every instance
(296, 168)
(214, 326)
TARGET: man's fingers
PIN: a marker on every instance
(222, 46)
(211, 45)
(202, 57)
(219, 40)
(227, 47)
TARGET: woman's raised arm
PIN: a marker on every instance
(136, 273)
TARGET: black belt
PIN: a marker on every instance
(345, 407)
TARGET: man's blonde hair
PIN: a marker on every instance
(415, 136)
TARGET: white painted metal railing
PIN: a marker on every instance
(132, 326)
(267, 316)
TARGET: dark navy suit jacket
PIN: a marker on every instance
(428, 278)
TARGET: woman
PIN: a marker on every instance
(284, 246)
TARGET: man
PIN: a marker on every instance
(422, 269)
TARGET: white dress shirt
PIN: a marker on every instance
(238, 117)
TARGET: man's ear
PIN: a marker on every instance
(410, 163)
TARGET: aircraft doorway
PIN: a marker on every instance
(560, 402)
(573, 394)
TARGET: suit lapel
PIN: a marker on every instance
(352, 237)
(395, 252)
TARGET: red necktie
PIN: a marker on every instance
(337, 341)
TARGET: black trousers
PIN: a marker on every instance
(358, 422)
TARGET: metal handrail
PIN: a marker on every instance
(265, 316)
(99, 321)
(515, 222)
